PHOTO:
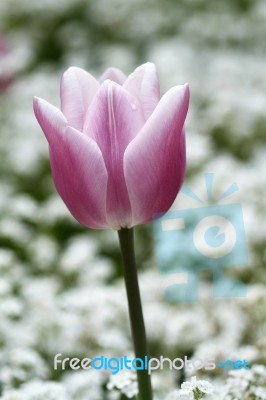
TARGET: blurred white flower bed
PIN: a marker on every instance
(58, 290)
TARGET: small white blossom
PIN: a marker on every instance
(191, 390)
(125, 382)
(203, 386)
(259, 370)
(260, 393)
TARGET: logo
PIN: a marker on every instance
(116, 365)
(208, 237)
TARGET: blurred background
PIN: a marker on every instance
(61, 288)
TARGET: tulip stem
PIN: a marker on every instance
(126, 238)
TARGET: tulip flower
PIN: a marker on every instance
(117, 153)
(117, 150)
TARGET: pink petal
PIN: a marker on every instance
(143, 83)
(114, 74)
(154, 162)
(51, 120)
(77, 166)
(113, 120)
(77, 90)
(80, 177)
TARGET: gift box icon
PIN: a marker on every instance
(210, 237)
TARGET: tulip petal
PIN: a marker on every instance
(51, 120)
(143, 83)
(113, 120)
(77, 165)
(77, 90)
(154, 162)
(80, 177)
(114, 74)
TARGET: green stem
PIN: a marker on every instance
(126, 238)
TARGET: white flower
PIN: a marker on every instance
(187, 391)
(203, 386)
(259, 370)
(239, 379)
(125, 381)
(189, 386)
(260, 393)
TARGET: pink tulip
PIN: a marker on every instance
(117, 150)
